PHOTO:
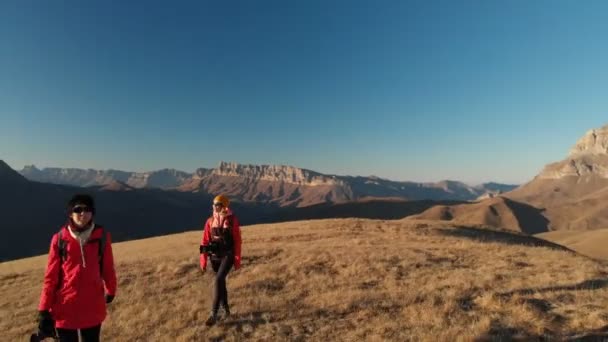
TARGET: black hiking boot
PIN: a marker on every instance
(225, 313)
(211, 320)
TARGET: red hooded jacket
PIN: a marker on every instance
(236, 236)
(73, 289)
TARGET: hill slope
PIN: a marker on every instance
(497, 212)
(592, 243)
(344, 279)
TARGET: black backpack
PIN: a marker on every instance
(61, 244)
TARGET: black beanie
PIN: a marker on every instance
(81, 199)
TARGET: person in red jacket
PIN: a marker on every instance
(222, 243)
(80, 278)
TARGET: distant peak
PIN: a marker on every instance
(595, 141)
(588, 157)
(30, 167)
(237, 167)
(280, 173)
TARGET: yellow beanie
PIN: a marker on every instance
(222, 199)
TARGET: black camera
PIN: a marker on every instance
(210, 248)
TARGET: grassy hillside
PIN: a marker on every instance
(344, 279)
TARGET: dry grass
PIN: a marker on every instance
(344, 279)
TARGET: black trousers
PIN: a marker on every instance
(71, 335)
(221, 266)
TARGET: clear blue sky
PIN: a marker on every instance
(406, 90)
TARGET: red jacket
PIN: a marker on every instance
(236, 236)
(74, 292)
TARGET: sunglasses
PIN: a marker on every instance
(79, 210)
(218, 205)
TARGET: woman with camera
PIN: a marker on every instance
(221, 242)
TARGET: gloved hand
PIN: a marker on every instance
(203, 262)
(46, 324)
(109, 299)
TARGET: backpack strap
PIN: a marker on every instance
(62, 255)
(101, 246)
(61, 246)
(101, 249)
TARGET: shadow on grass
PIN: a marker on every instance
(591, 284)
(508, 238)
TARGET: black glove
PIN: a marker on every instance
(109, 299)
(46, 324)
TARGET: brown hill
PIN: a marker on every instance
(498, 212)
(371, 208)
(592, 243)
(570, 202)
(344, 280)
(573, 192)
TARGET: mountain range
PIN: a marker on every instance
(273, 184)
